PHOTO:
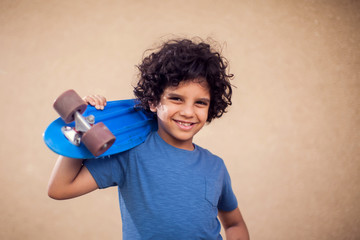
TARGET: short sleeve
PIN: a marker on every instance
(227, 201)
(108, 171)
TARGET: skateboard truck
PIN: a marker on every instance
(96, 137)
(82, 125)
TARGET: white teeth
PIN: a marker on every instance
(185, 124)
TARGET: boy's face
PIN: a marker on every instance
(182, 112)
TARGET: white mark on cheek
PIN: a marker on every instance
(162, 111)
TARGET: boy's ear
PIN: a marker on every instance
(152, 106)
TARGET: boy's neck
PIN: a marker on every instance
(185, 145)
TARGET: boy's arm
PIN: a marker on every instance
(70, 179)
(234, 225)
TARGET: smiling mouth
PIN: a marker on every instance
(184, 124)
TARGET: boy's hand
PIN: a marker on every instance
(98, 101)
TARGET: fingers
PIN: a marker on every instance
(96, 100)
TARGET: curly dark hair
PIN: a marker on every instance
(183, 60)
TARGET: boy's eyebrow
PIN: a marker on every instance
(205, 99)
(173, 95)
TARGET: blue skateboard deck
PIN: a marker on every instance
(128, 124)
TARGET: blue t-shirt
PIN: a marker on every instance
(166, 192)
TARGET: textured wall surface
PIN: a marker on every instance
(291, 140)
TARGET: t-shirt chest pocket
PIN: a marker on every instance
(212, 190)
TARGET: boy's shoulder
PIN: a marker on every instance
(205, 151)
(209, 156)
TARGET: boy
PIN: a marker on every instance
(169, 187)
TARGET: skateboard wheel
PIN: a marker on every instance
(98, 139)
(67, 104)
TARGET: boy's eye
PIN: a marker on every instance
(202, 103)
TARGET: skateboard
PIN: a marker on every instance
(84, 132)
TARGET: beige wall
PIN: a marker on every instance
(291, 139)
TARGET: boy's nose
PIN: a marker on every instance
(187, 111)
